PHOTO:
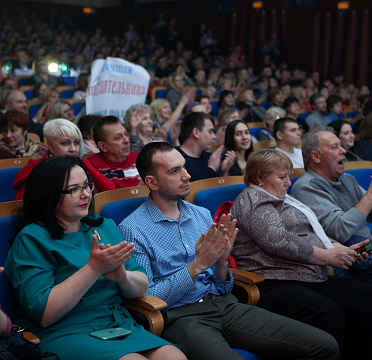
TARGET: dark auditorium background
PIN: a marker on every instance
(318, 35)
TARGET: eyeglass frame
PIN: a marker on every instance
(89, 185)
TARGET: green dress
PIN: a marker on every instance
(36, 263)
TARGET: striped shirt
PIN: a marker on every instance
(165, 247)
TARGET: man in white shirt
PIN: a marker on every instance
(288, 136)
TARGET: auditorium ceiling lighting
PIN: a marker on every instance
(343, 5)
(257, 4)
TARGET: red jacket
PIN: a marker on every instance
(102, 183)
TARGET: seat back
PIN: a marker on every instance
(256, 127)
(119, 210)
(106, 197)
(77, 105)
(33, 107)
(28, 90)
(211, 183)
(363, 176)
(213, 198)
(7, 177)
(270, 144)
(13, 163)
(8, 301)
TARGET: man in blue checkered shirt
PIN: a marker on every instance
(185, 256)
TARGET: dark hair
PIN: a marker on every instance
(14, 117)
(332, 100)
(82, 81)
(365, 130)
(86, 123)
(289, 101)
(337, 125)
(229, 137)
(191, 121)
(279, 125)
(315, 97)
(98, 132)
(37, 88)
(224, 94)
(144, 162)
(43, 195)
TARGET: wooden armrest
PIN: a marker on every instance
(149, 306)
(247, 281)
(148, 302)
(28, 335)
(246, 276)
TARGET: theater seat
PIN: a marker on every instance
(119, 210)
(212, 198)
(7, 177)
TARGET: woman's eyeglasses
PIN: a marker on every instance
(77, 191)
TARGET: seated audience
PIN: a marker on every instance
(85, 125)
(288, 137)
(161, 111)
(292, 108)
(115, 160)
(299, 93)
(68, 280)
(15, 100)
(82, 82)
(15, 144)
(334, 108)
(280, 239)
(205, 101)
(365, 137)
(63, 139)
(41, 74)
(197, 134)
(340, 204)
(260, 89)
(223, 119)
(344, 132)
(271, 115)
(48, 98)
(227, 101)
(62, 109)
(275, 97)
(250, 111)
(176, 83)
(319, 106)
(185, 257)
(238, 145)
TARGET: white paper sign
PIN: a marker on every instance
(115, 85)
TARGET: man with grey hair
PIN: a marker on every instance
(271, 115)
(340, 204)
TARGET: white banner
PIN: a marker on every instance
(115, 85)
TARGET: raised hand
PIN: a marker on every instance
(108, 260)
(214, 161)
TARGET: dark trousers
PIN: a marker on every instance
(209, 329)
(339, 306)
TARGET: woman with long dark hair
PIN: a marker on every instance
(70, 268)
(238, 145)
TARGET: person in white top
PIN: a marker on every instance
(288, 136)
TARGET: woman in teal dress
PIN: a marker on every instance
(69, 281)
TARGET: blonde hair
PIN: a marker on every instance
(47, 93)
(57, 108)
(56, 127)
(157, 105)
(262, 163)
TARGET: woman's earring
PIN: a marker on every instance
(261, 184)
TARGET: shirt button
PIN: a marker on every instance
(187, 246)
